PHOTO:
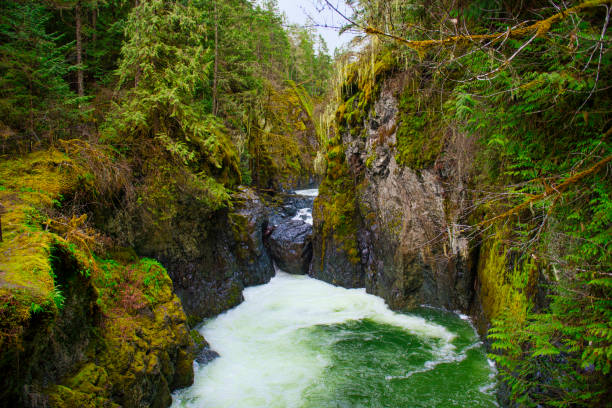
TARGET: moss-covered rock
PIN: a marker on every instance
(388, 207)
(78, 330)
(506, 284)
(419, 138)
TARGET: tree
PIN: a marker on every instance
(164, 71)
(36, 104)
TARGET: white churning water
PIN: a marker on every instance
(305, 214)
(311, 192)
(267, 359)
(297, 342)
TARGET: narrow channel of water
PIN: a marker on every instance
(297, 342)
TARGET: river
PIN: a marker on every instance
(297, 342)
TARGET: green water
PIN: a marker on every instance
(300, 343)
(414, 375)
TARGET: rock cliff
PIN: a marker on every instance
(211, 257)
(395, 230)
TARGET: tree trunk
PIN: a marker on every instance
(216, 72)
(94, 22)
(79, 51)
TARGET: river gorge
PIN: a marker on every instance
(297, 342)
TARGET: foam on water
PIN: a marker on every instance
(311, 192)
(304, 214)
(267, 358)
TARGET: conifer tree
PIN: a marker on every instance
(36, 103)
(164, 72)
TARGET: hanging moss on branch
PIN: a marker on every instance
(538, 29)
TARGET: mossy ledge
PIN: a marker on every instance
(78, 328)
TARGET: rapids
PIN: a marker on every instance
(297, 342)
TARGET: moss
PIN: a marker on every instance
(146, 351)
(65, 397)
(193, 320)
(419, 141)
(337, 204)
(122, 254)
(143, 345)
(198, 339)
(506, 286)
(31, 184)
(235, 295)
(371, 159)
(183, 374)
(240, 228)
(88, 388)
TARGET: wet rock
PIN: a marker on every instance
(206, 355)
(289, 210)
(330, 261)
(290, 246)
(298, 201)
(287, 206)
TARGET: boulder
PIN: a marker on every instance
(290, 246)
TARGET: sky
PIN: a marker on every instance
(302, 11)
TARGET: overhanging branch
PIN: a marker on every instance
(538, 29)
(550, 191)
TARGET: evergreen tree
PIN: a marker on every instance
(36, 103)
(164, 72)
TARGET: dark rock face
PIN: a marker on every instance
(330, 263)
(211, 258)
(229, 255)
(290, 246)
(206, 355)
(411, 248)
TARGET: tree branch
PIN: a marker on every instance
(550, 191)
(539, 29)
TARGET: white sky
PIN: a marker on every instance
(300, 12)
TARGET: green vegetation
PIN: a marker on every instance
(114, 114)
(117, 113)
(419, 141)
(46, 258)
(337, 205)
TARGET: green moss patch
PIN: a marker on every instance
(142, 346)
(505, 287)
(30, 184)
(337, 204)
(419, 139)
